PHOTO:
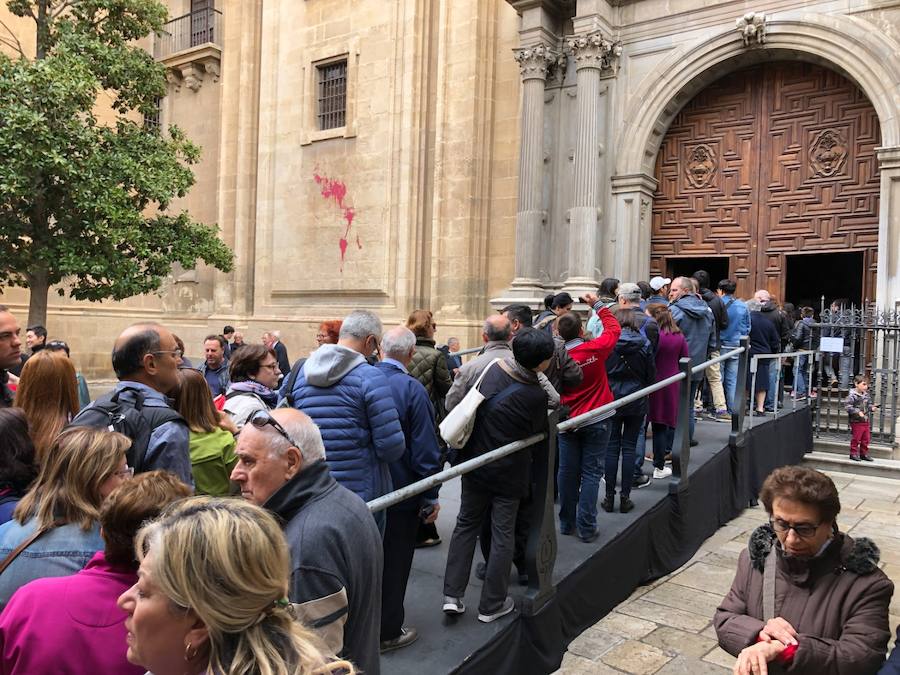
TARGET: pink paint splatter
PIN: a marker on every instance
(335, 190)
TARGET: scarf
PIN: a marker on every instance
(269, 397)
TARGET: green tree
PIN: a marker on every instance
(84, 199)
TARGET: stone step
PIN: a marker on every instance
(826, 461)
(841, 446)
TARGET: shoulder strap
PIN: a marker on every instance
(484, 372)
(292, 380)
(729, 303)
(7, 561)
(769, 586)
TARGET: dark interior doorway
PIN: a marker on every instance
(685, 267)
(834, 275)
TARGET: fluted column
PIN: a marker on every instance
(592, 54)
(534, 62)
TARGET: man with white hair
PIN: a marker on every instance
(422, 458)
(272, 340)
(351, 403)
(336, 592)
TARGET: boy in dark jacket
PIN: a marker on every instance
(859, 408)
(515, 407)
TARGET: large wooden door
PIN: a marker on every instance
(768, 161)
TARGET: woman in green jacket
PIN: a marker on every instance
(212, 435)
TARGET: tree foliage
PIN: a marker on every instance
(84, 199)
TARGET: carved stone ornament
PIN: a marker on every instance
(535, 62)
(827, 153)
(753, 28)
(592, 50)
(701, 165)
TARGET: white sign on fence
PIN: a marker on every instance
(832, 344)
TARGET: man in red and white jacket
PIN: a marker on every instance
(582, 450)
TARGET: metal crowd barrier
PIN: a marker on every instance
(778, 359)
(540, 550)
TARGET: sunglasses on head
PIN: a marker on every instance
(261, 419)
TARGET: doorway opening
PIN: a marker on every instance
(834, 275)
(685, 267)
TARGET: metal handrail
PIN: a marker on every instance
(189, 30)
(603, 412)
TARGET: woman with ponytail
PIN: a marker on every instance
(211, 596)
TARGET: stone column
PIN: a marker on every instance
(534, 62)
(592, 54)
(887, 292)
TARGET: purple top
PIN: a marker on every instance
(664, 403)
(69, 624)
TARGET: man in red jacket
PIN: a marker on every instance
(582, 450)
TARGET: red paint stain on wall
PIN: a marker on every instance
(335, 190)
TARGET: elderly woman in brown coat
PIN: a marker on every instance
(806, 598)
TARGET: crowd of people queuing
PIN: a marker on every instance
(102, 544)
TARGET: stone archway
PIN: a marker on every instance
(847, 45)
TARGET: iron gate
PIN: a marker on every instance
(870, 345)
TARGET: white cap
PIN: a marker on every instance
(658, 282)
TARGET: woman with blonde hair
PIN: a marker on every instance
(48, 394)
(211, 596)
(211, 440)
(55, 529)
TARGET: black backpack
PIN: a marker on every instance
(127, 417)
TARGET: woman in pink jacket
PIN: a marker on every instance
(72, 624)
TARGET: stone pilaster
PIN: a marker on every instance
(594, 56)
(627, 254)
(534, 63)
(887, 293)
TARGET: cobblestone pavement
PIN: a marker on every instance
(666, 627)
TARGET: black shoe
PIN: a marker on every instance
(856, 458)
(640, 480)
(407, 637)
(867, 458)
(608, 504)
(694, 444)
(480, 571)
(625, 505)
(591, 537)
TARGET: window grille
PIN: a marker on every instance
(152, 121)
(332, 95)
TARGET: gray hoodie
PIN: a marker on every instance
(695, 319)
(328, 366)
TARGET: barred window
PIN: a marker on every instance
(152, 121)
(332, 95)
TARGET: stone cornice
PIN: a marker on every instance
(888, 158)
(536, 61)
(189, 67)
(593, 50)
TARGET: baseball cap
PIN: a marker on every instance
(629, 291)
(658, 282)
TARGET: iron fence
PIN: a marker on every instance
(540, 550)
(191, 30)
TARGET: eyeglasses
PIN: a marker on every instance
(126, 473)
(270, 366)
(804, 531)
(261, 419)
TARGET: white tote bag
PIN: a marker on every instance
(459, 422)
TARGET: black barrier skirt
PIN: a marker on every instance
(661, 541)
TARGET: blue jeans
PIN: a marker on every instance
(729, 378)
(640, 449)
(774, 369)
(800, 385)
(581, 454)
(695, 385)
(622, 442)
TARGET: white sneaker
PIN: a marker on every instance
(665, 472)
(453, 605)
(508, 606)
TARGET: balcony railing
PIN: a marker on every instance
(191, 30)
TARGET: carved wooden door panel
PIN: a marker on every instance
(771, 160)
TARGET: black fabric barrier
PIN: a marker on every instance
(660, 541)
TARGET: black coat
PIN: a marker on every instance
(764, 338)
(281, 355)
(778, 319)
(720, 313)
(513, 410)
(631, 366)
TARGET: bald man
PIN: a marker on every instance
(336, 549)
(497, 335)
(144, 359)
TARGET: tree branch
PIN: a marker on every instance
(14, 43)
(63, 7)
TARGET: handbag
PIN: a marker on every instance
(457, 426)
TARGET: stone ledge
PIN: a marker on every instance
(190, 66)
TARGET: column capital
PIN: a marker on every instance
(634, 182)
(888, 158)
(535, 61)
(593, 50)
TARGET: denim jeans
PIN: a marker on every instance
(581, 454)
(774, 371)
(729, 378)
(622, 442)
(695, 385)
(663, 438)
(800, 385)
(640, 450)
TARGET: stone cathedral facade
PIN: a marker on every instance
(460, 154)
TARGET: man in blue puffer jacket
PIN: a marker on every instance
(351, 403)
